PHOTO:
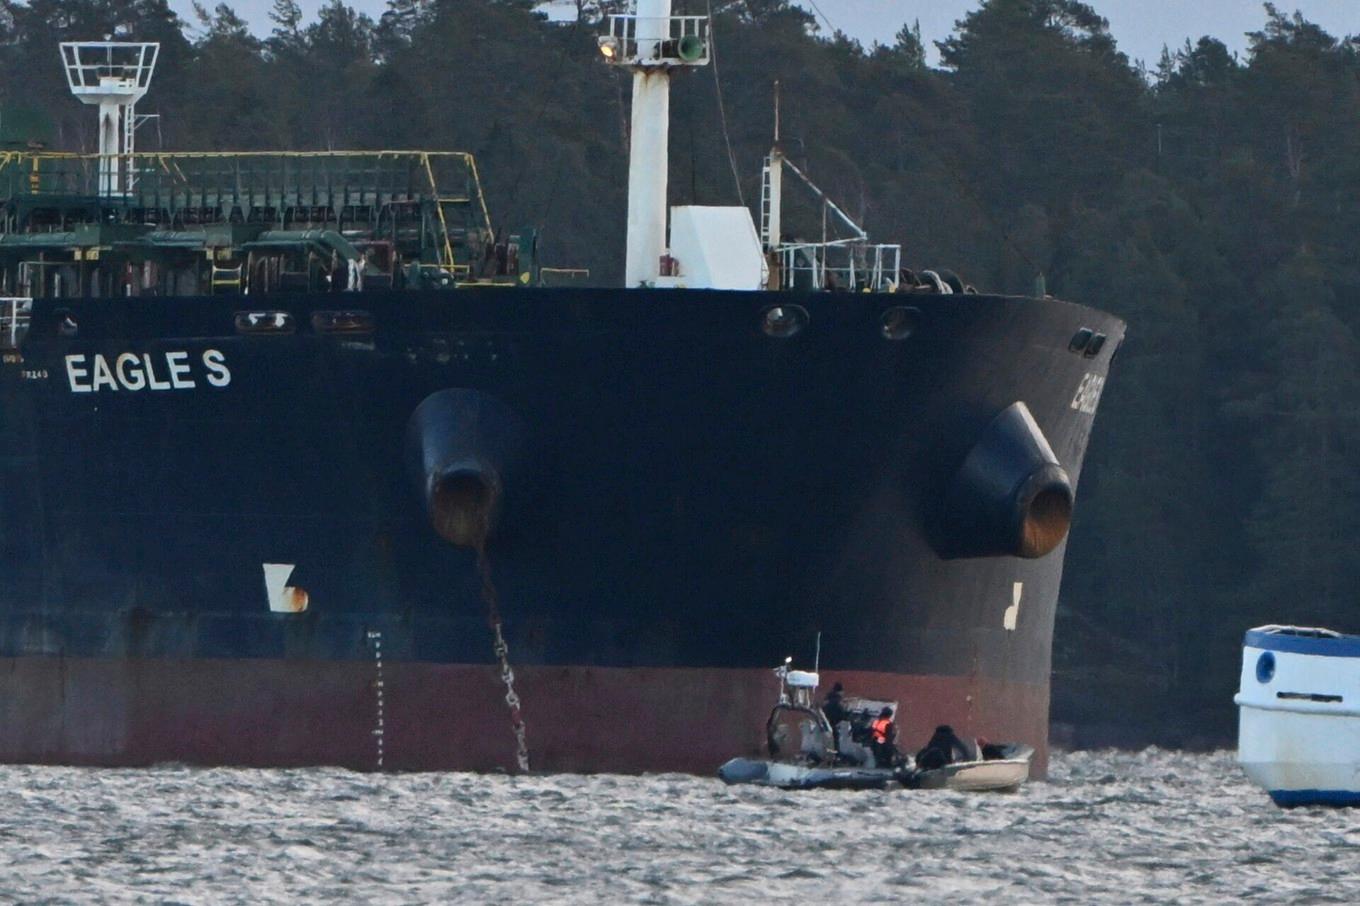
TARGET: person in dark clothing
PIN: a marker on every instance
(989, 751)
(942, 749)
(833, 707)
(884, 739)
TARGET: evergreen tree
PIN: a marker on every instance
(1060, 105)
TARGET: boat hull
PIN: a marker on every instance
(998, 776)
(992, 776)
(1298, 734)
(209, 531)
(785, 776)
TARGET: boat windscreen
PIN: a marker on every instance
(797, 734)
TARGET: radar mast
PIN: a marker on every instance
(113, 75)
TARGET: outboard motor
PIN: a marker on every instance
(462, 445)
(1010, 497)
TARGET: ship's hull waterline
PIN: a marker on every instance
(227, 544)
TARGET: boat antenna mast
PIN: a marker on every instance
(851, 262)
(114, 76)
(652, 44)
(772, 188)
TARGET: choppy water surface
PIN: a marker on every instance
(1115, 826)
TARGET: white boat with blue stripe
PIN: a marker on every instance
(1299, 714)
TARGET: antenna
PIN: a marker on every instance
(113, 75)
(772, 188)
(817, 658)
(776, 112)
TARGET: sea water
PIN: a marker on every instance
(1153, 826)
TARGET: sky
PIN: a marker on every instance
(1141, 27)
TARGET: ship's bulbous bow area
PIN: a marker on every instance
(462, 448)
(1010, 497)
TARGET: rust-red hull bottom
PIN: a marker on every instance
(277, 713)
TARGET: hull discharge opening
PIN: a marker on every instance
(462, 506)
(1009, 497)
(1046, 521)
(463, 451)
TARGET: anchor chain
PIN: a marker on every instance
(502, 652)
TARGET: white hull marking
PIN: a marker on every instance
(1012, 614)
(283, 598)
(1087, 397)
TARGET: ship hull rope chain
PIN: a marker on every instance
(502, 652)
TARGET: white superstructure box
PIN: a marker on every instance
(715, 248)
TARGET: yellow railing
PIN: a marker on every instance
(446, 250)
(162, 174)
(168, 162)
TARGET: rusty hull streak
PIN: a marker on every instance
(297, 598)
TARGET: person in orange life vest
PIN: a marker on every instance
(884, 738)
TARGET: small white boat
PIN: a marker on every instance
(803, 755)
(991, 775)
(1003, 774)
(1299, 714)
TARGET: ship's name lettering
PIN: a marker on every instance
(131, 371)
(1088, 393)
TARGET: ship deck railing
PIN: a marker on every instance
(195, 179)
(15, 312)
(840, 264)
(660, 41)
(193, 187)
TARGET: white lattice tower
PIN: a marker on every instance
(114, 76)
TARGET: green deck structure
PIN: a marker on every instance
(212, 222)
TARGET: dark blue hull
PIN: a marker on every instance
(675, 488)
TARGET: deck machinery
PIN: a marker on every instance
(200, 223)
(120, 223)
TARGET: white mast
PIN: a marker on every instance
(114, 75)
(649, 149)
(774, 189)
(651, 43)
